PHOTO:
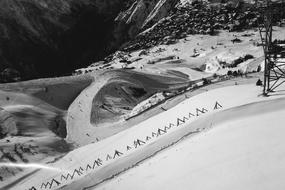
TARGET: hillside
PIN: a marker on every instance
(47, 39)
(44, 38)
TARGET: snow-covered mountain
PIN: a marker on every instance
(177, 105)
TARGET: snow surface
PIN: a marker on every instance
(228, 98)
(245, 153)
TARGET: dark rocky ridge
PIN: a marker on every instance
(42, 38)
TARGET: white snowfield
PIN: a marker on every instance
(244, 152)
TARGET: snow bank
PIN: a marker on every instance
(144, 105)
(235, 60)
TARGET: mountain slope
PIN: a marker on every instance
(48, 38)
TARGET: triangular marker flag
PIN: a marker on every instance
(217, 106)
(117, 153)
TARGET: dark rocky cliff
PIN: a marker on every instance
(41, 38)
(45, 38)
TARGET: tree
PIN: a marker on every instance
(259, 83)
(206, 81)
(258, 68)
(230, 73)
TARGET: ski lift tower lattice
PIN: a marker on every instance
(274, 51)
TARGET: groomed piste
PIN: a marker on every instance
(236, 126)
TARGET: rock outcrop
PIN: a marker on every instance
(145, 13)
